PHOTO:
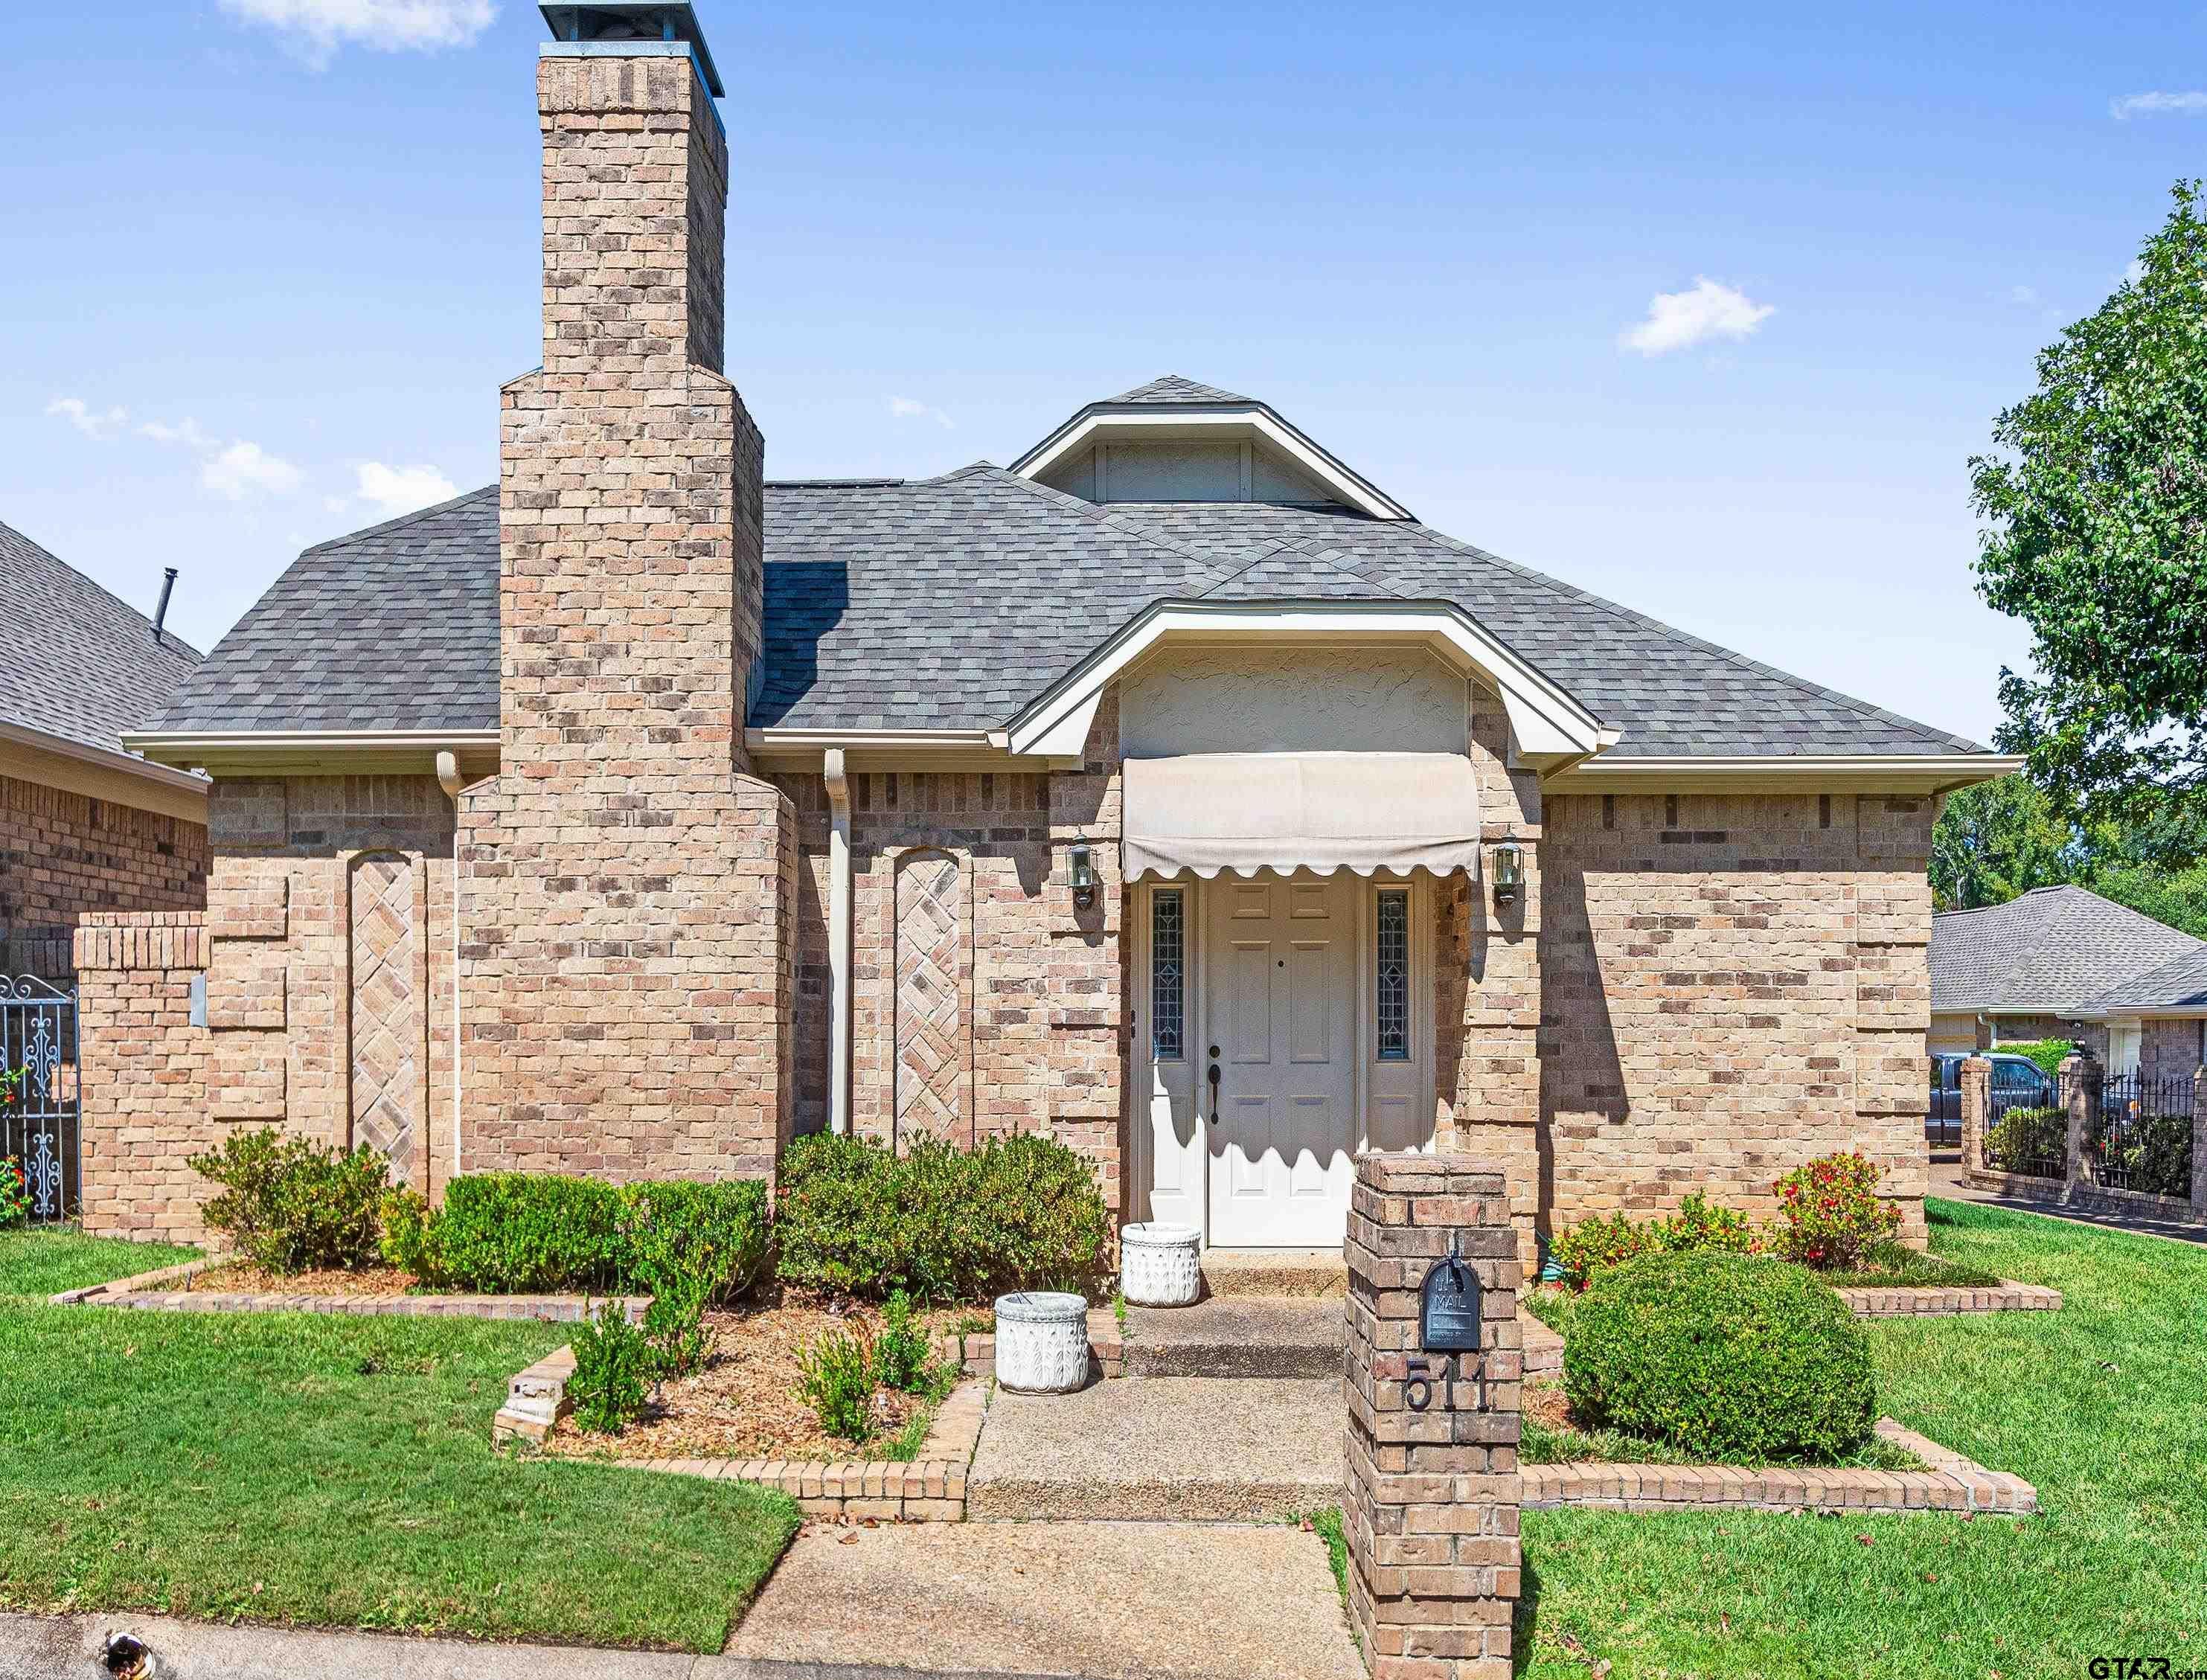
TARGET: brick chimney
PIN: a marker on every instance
(625, 875)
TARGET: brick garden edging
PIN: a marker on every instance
(1952, 1483)
(149, 1291)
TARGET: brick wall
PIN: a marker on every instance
(2171, 1049)
(631, 890)
(1732, 985)
(144, 1111)
(62, 854)
(1487, 977)
(1035, 985)
(303, 1028)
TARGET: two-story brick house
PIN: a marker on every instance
(1173, 789)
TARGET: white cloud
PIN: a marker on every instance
(2022, 296)
(1680, 319)
(81, 415)
(907, 408)
(186, 432)
(2156, 104)
(245, 469)
(396, 490)
(316, 29)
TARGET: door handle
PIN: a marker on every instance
(1213, 1077)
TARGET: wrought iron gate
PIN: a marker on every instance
(39, 1118)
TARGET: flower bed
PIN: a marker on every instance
(745, 1402)
(1554, 1434)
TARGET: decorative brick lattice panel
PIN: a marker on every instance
(934, 1028)
(387, 1012)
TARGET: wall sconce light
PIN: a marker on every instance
(1508, 872)
(1083, 860)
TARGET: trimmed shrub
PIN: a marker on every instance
(695, 1246)
(514, 1233)
(613, 1361)
(1595, 1246)
(2157, 1159)
(1828, 1213)
(2026, 1140)
(292, 1205)
(1021, 1212)
(1726, 1355)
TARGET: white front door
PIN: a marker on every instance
(1280, 1036)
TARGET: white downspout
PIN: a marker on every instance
(448, 778)
(838, 941)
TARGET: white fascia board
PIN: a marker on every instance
(1352, 486)
(275, 750)
(1546, 721)
(107, 758)
(880, 749)
(1923, 773)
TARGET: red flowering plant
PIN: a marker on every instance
(14, 1194)
(11, 1085)
(1828, 1213)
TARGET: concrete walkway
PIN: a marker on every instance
(1161, 1448)
(1106, 1600)
(1946, 1182)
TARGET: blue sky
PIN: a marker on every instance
(267, 261)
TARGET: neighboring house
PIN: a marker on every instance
(84, 824)
(1174, 790)
(2061, 962)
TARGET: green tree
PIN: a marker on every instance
(2095, 513)
(2177, 897)
(1995, 841)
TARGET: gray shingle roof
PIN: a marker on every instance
(950, 602)
(2056, 949)
(394, 627)
(2179, 984)
(1173, 388)
(80, 663)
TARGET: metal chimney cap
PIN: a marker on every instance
(636, 21)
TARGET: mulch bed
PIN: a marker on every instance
(1547, 1407)
(744, 1404)
(242, 1277)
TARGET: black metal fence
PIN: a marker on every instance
(39, 1096)
(2142, 1139)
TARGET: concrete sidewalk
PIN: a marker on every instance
(69, 1648)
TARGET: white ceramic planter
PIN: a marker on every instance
(1042, 1342)
(1160, 1265)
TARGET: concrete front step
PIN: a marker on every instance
(1313, 1273)
(1162, 1449)
(1238, 1336)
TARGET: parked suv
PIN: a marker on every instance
(2018, 1082)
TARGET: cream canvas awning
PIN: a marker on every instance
(1319, 811)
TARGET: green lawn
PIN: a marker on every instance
(2102, 1405)
(42, 1262)
(301, 1468)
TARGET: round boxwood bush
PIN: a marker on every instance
(1727, 1355)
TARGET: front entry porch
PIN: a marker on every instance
(1283, 1024)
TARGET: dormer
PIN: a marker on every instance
(1173, 440)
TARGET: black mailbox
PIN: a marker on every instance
(1448, 1308)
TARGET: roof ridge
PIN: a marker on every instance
(400, 520)
(1731, 656)
(1288, 547)
(144, 617)
(1096, 513)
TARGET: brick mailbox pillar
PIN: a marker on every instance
(1431, 1516)
(2079, 1086)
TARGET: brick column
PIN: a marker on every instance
(142, 1074)
(2199, 1142)
(1977, 1112)
(1430, 1516)
(2080, 1095)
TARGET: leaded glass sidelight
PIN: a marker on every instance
(1393, 972)
(1168, 971)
